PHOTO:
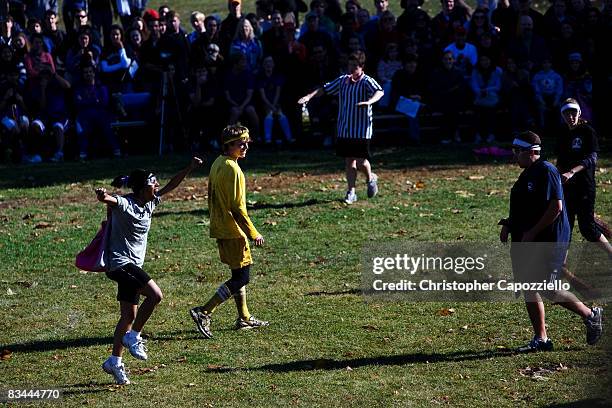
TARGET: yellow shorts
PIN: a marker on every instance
(235, 252)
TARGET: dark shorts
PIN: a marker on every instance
(130, 278)
(357, 148)
(538, 261)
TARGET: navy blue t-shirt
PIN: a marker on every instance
(530, 196)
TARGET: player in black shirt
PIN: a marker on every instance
(577, 158)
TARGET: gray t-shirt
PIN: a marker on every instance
(129, 229)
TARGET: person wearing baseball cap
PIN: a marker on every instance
(231, 226)
(538, 216)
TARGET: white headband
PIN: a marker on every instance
(525, 145)
(570, 105)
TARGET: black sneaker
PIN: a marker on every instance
(202, 321)
(594, 326)
(536, 344)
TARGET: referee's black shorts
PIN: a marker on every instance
(357, 148)
(130, 279)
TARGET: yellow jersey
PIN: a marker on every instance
(227, 201)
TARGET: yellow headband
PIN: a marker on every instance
(244, 135)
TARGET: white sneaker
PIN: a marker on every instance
(118, 372)
(252, 323)
(135, 346)
(350, 197)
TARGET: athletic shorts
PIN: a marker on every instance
(130, 278)
(235, 252)
(358, 148)
(538, 261)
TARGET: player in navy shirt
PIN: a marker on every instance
(538, 215)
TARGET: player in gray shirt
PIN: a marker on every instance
(127, 244)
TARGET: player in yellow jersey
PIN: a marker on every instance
(231, 226)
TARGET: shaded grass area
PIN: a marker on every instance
(326, 346)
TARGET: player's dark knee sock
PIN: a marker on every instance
(240, 278)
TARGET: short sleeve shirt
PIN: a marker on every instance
(536, 187)
(130, 225)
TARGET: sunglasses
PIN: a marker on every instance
(151, 180)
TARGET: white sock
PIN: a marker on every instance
(114, 360)
(135, 334)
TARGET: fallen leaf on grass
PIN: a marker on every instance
(6, 354)
(464, 327)
(456, 211)
(476, 177)
(464, 194)
(426, 215)
(369, 327)
(9, 292)
(182, 359)
(446, 311)
(27, 217)
(145, 370)
(42, 225)
(270, 222)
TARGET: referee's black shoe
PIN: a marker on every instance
(536, 344)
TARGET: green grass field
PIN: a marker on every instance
(325, 346)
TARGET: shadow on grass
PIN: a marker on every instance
(338, 293)
(395, 360)
(251, 207)
(585, 403)
(48, 345)
(88, 388)
(312, 161)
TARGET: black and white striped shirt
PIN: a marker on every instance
(354, 122)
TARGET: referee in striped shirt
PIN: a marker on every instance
(357, 92)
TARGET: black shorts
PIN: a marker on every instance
(130, 278)
(357, 148)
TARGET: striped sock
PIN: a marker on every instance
(219, 297)
(241, 304)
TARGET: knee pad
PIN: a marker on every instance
(240, 278)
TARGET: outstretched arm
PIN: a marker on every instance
(178, 178)
(305, 99)
(105, 198)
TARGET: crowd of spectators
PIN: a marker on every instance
(61, 85)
